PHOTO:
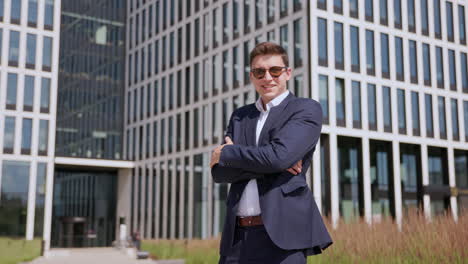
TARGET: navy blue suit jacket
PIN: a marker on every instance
(289, 211)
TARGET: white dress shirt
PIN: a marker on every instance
(249, 204)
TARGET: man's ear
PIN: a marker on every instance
(288, 74)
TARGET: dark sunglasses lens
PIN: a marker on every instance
(276, 71)
(259, 73)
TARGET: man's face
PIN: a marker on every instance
(269, 87)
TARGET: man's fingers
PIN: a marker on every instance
(228, 140)
(292, 171)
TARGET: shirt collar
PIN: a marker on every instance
(276, 101)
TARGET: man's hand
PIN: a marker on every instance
(216, 154)
(296, 168)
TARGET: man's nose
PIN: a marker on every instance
(268, 76)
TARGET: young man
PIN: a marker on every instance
(271, 214)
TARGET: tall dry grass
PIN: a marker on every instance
(441, 240)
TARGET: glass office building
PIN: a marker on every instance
(29, 41)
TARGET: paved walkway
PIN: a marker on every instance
(89, 256)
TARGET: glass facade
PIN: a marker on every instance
(91, 81)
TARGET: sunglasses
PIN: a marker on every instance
(274, 71)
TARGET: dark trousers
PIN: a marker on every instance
(252, 245)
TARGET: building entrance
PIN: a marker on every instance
(84, 208)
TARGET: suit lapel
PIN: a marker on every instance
(251, 126)
(275, 113)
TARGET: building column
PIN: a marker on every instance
(397, 183)
(366, 180)
(124, 185)
(334, 181)
(31, 201)
(316, 174)
(48, 205)
(425, 181)
(451, 167)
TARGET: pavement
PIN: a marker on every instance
(90, 256)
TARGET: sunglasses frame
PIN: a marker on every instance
(283, 68)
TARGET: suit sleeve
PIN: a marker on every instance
(222, 174)
(291, 143)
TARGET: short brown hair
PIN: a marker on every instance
(269, 48)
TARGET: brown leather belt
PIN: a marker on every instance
(249, 220)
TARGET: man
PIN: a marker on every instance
(271, 215)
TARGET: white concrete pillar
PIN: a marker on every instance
(397, 183)
(316, 174)
(31, 201)
(334, 181)
(425, 181)
(48, 204)
(452, 181)
(366, 180)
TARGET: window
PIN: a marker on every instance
(164, 55)
(49, 14)
(14, 196)
(413, 61)
(452, 70)
(401, 111)
(171, 49)
(465, 110)
(26, 136)
(370, 59)
(454, 111)
(28, 97)
(338, 6)
(369, 10)
(440, 67)
(322, 4)
(437, 23)
(323, 97)
(215, 132)
(322, 42)
(355, 56)
(298, 43)
(271, 11)
(188, 91)
(383, 12)
(45, 95)
(197, 37)
(206, 32)
(143, 25)
(283, 8)
(387, 109)
(216, 30)
(429, 120)
(247, 16)
(461, 24)
(427, 64)
(216, 71)
(442, 122)
(12, 84)
(196, 82)
(449, 20)
(40, 199)
(170, 134)
(225, 23)
(372, 106)
(179, 45)
(411, 16)
(464, 72)
(150, 20)
(284, 37)
(235, 18)
(225, 72)
(298, 86)
(15, 15)
(340, 102)
(155, 139)
(353, 8)
(235, 67)
(297, 5)
(13, 54)
(258, 13)
(400, 69)
(137, 29)
(149, 60)
(356, 103)
(31, 51)
(47, 54)
(339, 53)
(163, 95)
(397, 14)
(32, 13)
(424, 18)
(9, 135)
(247, 48)
(2, 9)
(385, 55)
(415, 113)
